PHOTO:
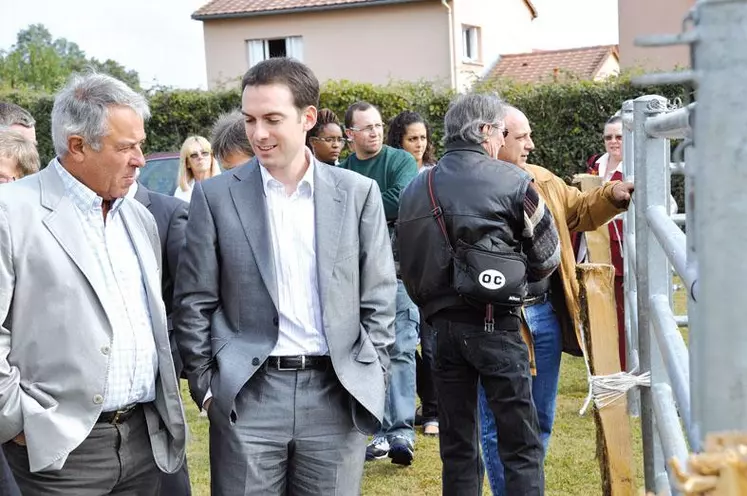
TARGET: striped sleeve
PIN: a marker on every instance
(541, 243)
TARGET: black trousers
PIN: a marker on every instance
(466, 352)
(8, 486)
(426, 386)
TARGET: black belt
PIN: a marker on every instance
(301, 362)
(119, 416)
(536, 299)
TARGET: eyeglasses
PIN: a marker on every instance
(331, 140)
(368, 129)
(610, 137)
(196, 155)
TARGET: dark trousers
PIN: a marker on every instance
(466, 353)
(113, 459)
(8, 486)
(426, 386)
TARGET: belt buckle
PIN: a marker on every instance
(302, 367)
(118, 414)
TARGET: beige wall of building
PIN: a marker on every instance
(505, 27)
(359, 44)
(611, 67)
(647, 17)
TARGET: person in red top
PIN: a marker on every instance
(609, 167)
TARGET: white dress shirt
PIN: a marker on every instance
(133, 364)
(293, 236)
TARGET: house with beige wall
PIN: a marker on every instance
(645, 17)
(453, 42)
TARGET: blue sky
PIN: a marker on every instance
(158, 38)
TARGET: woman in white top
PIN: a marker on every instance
(196, 162)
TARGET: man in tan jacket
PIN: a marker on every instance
(551, 309)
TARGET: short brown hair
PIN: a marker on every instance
(300, 80)
(14, 146)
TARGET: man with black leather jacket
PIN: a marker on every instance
(471, 198)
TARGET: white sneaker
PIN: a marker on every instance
(377, 449)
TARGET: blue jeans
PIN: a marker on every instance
(548, 345)
(399, 411)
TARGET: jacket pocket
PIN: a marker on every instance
(367, 351)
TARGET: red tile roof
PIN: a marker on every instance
(541, 65)
(236, 8)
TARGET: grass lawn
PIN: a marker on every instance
(571, 468)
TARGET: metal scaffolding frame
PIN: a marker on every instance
(701, 389)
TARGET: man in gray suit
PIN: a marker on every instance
(89, 402)
(284, 304)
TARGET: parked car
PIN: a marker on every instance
(160, 172)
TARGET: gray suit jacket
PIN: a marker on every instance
(55, 340)
(225, 314)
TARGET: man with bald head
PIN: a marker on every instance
(551, 309)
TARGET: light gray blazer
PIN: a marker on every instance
(225, 309)
(54, 343)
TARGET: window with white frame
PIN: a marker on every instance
(470, 43)
(259, 50)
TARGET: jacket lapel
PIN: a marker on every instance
(64, 224)
(329, 207)
(249, 199)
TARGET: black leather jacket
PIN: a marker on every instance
(482, 200)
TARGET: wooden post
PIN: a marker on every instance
(597, 242)
(721, 470)
(599, 321)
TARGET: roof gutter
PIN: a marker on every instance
(299, 10)
(452, 62)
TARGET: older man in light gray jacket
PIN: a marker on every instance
(89, 402)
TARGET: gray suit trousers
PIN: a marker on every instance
(293, 435)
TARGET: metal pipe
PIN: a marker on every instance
(673, 242)
(452, 51)
(720, 205)
(665, 78)
(647, 152)
(679, 219)
(675, 124)
(670, 432)
(682, 320)
(674, 352)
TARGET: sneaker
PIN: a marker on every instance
(419, 416)
(430, 428)
(377, 449)
(401, 451)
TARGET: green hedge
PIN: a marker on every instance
(566, 117)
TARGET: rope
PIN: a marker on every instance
(607, 389)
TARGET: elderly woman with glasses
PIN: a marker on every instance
(325, 139)
(196, 163)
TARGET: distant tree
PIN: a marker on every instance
(39, 62)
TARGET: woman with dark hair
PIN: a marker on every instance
(325, 139)
(411, 132)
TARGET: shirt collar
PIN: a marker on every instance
(83, 197)
(305, 184)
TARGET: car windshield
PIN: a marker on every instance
(159, 175)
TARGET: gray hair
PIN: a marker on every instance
(14, 115)
(467, 114)
(82, 108)
(229, 136)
